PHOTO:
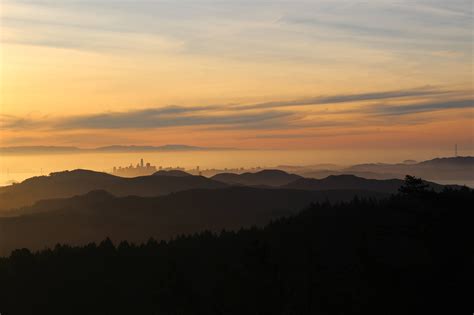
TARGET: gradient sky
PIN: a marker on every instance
(248, 74)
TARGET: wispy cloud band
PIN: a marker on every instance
(398, 110)
(348, 98)
(268, 115)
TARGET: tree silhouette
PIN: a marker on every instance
(413, 185)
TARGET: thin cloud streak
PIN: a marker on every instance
(348, 98)
(261, 116)
(319, 134)
(155, 119)
(399, 110)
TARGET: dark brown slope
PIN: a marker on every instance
(176, 173)
(70, 183)
(97, 215)
(262, 178)
(352, 182)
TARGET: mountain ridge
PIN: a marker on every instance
(349, 181)
(70, 183)
(96, 215)
(269, 177)
(77, 182)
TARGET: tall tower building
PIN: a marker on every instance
(141, 163)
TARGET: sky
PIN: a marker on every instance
(371, 74)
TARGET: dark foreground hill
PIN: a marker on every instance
(97, 215)
(70, 183)
(411, 254)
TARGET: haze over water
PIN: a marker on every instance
(16, 168)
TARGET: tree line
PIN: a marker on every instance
(411, 253)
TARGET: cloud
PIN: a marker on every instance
(243, 28)
(347, 98)
(447, 54)
(11, 122)
(402, 21)
(318, 134)
(260, 116)
(170, 116)
(399, 110)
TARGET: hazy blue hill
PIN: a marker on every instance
(452, 162)
(351, 182)
(70, 183)
(459, 161)
(450, 168)
(96, 215)
(265, 177)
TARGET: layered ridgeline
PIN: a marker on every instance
(82, 206)
(78, 182)
(263, 178)
(460, 168)
(411, 253)
(98, 214)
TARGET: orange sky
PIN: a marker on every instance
(328, 74)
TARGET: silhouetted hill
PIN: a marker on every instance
(265, 177)
(409, 254)
(458, 161)
(452, 168)
(320, 174)
(351, 182)
(70, 183)
(98, 214)
(458, 170)
(176, 173)
(91, 198)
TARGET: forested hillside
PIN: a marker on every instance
(411, 253)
